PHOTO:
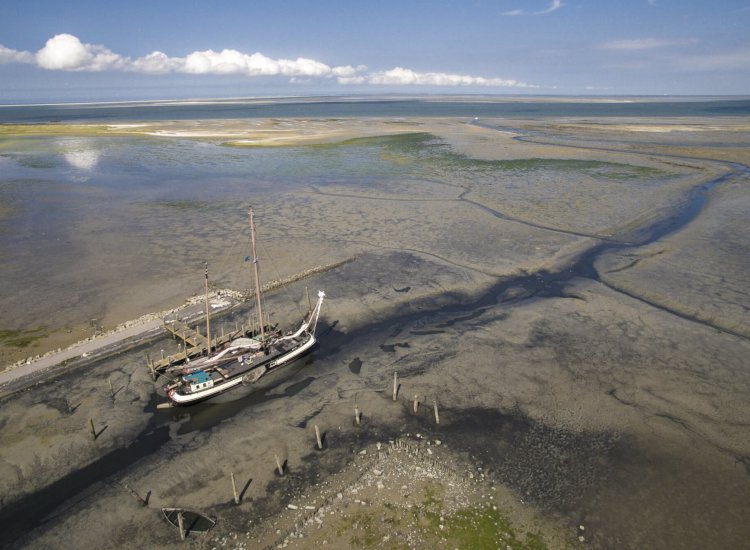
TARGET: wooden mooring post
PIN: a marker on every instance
(93, 430)
(395, 385)
(318, 438)
(150, 364)
(435, 406)
(111, 389)
(135, 495)
(234, 490)
(416, 404)
(279, 466)
(357, 415)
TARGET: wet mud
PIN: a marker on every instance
(654, 451)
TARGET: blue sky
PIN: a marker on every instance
(94, 50)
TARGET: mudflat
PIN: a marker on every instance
(570, 294)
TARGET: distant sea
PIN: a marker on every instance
(325, 107)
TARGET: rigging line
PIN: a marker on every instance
(278, 276)
(230, 251)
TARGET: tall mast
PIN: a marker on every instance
(208, 317)
(256, 270)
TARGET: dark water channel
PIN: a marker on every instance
(21, 517)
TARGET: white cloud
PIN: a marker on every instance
(400, 76)
(348, 70)
(554, 6)
(8, 55)
(646, 43)
(156, 63)
(66, 52)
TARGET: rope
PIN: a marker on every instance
(278, 277)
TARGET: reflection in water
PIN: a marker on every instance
(83, 160)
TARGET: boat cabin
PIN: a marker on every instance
(199, 380)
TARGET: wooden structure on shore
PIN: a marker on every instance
(194, 344)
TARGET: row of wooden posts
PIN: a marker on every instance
(357, 413)
(416, 399)
(280, 466)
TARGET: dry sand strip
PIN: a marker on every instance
(90, 349)
(124, 337)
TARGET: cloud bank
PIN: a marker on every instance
(65, 52)
(399, 76)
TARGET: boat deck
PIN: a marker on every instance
(240, 365)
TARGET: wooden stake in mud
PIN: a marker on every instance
(395, 385)
(150, 366)
(111, 390)
(136, 496)
(181, 525)
(437, 416)
(234, 490)
(416, 403)
(317, 438)
(91, 425)
(278, 465)
(162, 354)
(357, 415)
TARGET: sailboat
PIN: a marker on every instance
(243, 360)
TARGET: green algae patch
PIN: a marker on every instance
(416, 147)
(486, 527)
(22, 338)
(429, 524)
(74, 130)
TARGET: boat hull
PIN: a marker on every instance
(271, 364)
